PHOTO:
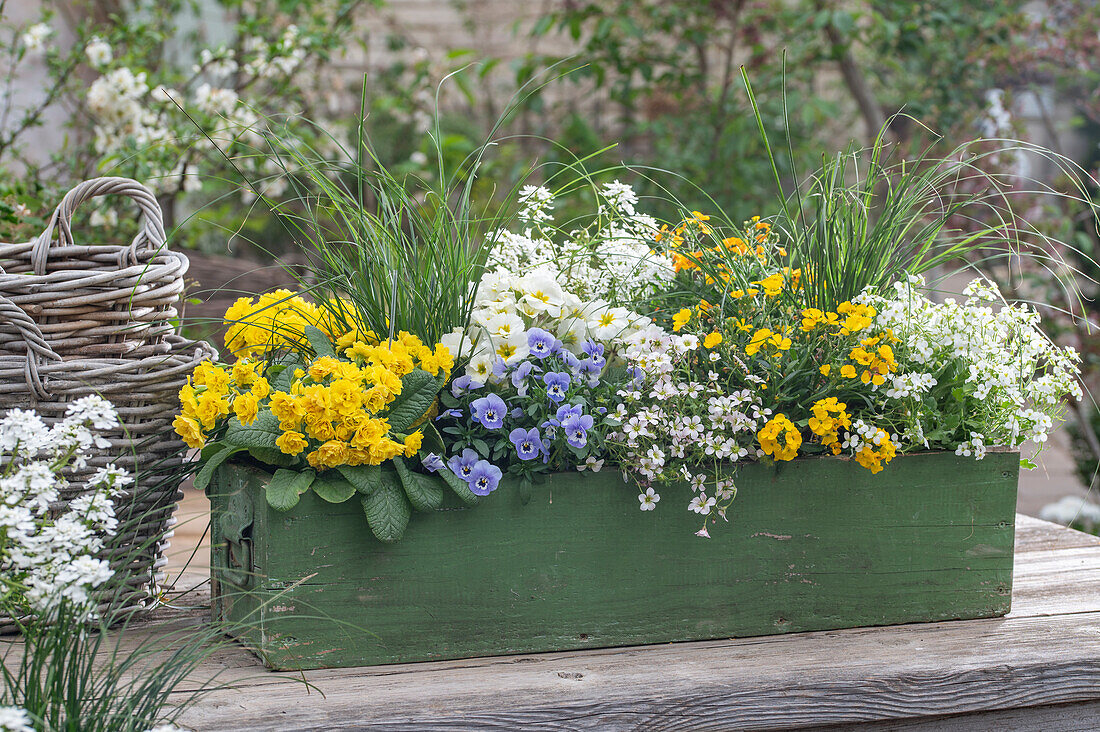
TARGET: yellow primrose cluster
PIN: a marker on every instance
(273, 321)
(830, 416)
(333, 411)
(780, 438)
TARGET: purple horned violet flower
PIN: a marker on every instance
(519, 377)
(571, 362)
(576, 429)
(484, 478)
(432, 462)
(557, 384)
(500, 368)
(463, 384)
(528, 443)
(541, 343)
(489, 411)
(592, 348)
(463, 465)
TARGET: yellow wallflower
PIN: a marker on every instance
(772, 284)
(857, 317)
(712, 339)
(779, 438)
(875, 456)
(829, 416)
(825, 369)
(767, 340)
(848, 371)
(680, 319)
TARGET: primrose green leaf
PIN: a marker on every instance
(206, 472)
(365, 478)
(387, 509)
(418, 390)
(318, 341)
(277, 458)
(332, 487)
(286, 487)
(425, 492)
(262, 433)
(459, 487)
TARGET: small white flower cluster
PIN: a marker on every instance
(611, 259)
(671, 425)
(506, 305)
(863, 434)
(974, 446)
(48, 556)
(1015, 378)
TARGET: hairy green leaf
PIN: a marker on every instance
(365, 478)
(332, 487)
(387, 509)
(418, 390)
(286, 487)
(458, 485)
(206, 472)
(276, 457)
(425, 492)
(318, 341)
(262, 433)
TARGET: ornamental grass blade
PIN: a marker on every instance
(387, 509)
(425, 492)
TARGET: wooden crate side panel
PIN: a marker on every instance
(817, 544)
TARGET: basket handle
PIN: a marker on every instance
(38, 350)
(151, 236)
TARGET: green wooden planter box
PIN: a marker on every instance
(814, 544)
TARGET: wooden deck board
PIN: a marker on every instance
(1038, 668)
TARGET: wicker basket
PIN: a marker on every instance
(78, 320)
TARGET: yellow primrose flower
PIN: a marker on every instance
(413, 442)
(245, 406)
(190, 431)
(329, 455)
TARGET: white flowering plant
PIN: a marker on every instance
(610, 258)
(161, 116)
(49, 557)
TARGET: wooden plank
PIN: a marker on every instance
(1034, 534)
(763, 683)
(1061, 718)
(817, 544)
(1028, 671)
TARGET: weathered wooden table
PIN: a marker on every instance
(1036, 669)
